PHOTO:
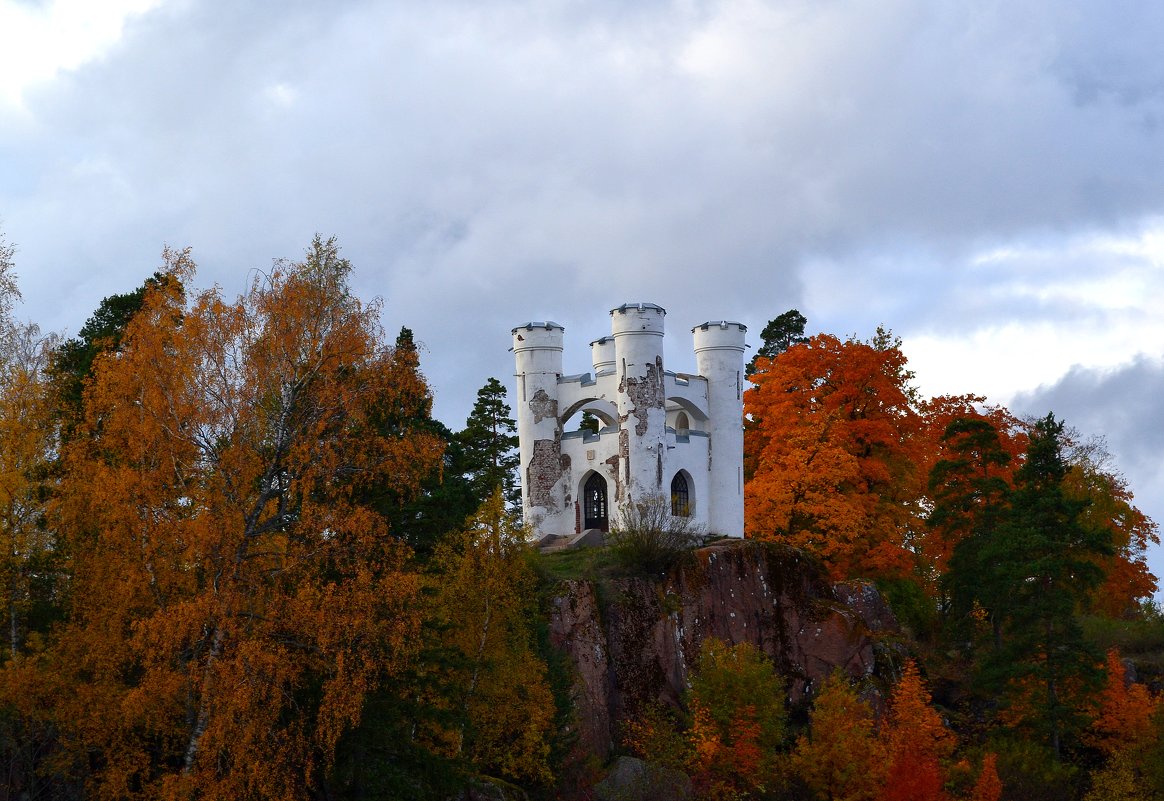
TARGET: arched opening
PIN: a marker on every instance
(594, 506)
(682, 424)
(680, 496)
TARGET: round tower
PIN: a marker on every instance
(641, 398)
(537, 349)
(602, 354)
(719, 357)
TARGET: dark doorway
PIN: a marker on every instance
(594, 504)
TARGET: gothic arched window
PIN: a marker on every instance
(680, 496)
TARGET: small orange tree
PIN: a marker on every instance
(737, 720)
(1123, 714)
(916, 740)
(732, 747)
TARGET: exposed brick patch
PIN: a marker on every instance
(545, 468)
(646, 393)
(613, 462)
(543, 407)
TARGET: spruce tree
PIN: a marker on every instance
(489, 444)
(1044, 557)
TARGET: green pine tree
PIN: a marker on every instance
(1043, 555)
(489, 442)
(778, 336)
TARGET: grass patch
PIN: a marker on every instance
(576, 564)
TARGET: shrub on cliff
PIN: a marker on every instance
(648, 538)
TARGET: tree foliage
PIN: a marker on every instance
(29, 559)
(832, 455)
(1045, 561)
(841, 758)
(489, 446)
(1110, 510)
(1123, 713)
(736, 704)
(916, 740)
(233, 601)
(647, 538)
(484, 603)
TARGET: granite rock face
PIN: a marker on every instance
(637, 646)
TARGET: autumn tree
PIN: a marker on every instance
(1127, 580)
(485, 605)
(72, 360)
(779, 335)
(234, 601)
(737, 721)
(988, 786)
(830, 455)
(916, 741)
(28, 439)
(841, 758)
(9, 292)
(27, 445)
(1123, 712)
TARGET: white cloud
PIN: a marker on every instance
(39, 41)
(1088, 301)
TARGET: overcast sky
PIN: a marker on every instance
(985, 178)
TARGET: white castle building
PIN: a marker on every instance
(662, 434)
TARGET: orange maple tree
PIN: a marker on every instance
(233, 599)
(832, 463)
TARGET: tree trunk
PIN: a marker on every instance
(203, 719)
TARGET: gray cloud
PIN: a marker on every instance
(486, 163)
(1125, 405)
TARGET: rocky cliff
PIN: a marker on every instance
(633, 640)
